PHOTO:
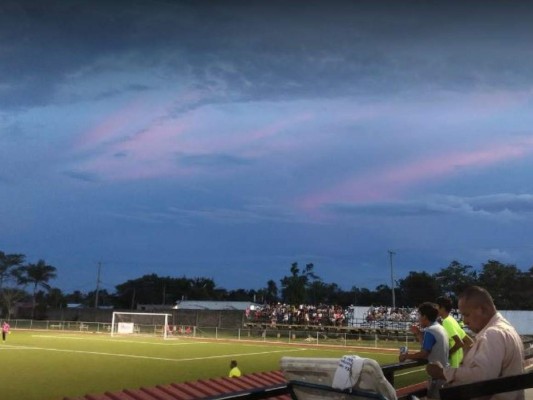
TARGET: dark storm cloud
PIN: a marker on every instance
(44, 41)
(388, 209)
(506, 204)
(268, 49)
(250, 214)
(128, 88)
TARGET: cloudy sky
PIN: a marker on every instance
(227, 139)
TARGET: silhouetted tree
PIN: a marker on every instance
(55, 298)
(10, 296)
(502, 281)
(271, 292)
(455, 278)
(76, 297)
(294, 287)
(37, 275)
(9, 263)
(418, 287)
(240, 295)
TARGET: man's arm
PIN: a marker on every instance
(427, 344)
(467, 342)
(458, 344)
(419, 355)
(485, 363)
(435, 370)
(415, 330)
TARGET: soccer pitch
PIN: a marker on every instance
(49, 366)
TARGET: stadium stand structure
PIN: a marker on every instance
(265, 385)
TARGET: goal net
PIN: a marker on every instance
(131, 323)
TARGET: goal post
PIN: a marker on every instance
(133, 323)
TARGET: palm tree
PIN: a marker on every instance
(37, 274)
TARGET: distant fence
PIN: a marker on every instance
(521, 320)
(218, 318)
(290, 335)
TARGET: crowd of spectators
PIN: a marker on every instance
(324, 315)
(334, 315)
(398, 314)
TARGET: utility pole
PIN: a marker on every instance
(97, 285)
(391, 253)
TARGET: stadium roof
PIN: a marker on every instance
(214, 305)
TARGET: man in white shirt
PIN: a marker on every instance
(497, 350)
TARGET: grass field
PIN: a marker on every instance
(48, 365)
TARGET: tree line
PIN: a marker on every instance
(29, 283)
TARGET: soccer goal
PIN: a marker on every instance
(131, 323)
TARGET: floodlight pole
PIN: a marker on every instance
(391, 253)
(97, 286)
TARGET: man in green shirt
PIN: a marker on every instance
(458, 338)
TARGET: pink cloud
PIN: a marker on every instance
(247, 142)
(392, 182)
(139, 140)
(142, 114)
(115, 125)
(278, 126)
(150, 153)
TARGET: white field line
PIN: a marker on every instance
(409, 372)
(144, 357)
(114, 340)
(159, 343)
(191, 342)
(166, 343)
(268, 345)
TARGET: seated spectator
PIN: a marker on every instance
(234, 371)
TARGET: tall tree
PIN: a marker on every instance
(152, 289)
(8, 264)
(362, 297)
(455, 278)
(382, 295)
(55, 298)
(144, 290)
(240, 295)
(271, 292)
(10, 296)
(37, 275)
(202, 289)
(502, 281)
(418, 287)
(294, 286)
(325, 293)
(77, 297)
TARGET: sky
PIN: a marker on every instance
(228, 139)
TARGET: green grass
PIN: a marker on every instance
(49, 366)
